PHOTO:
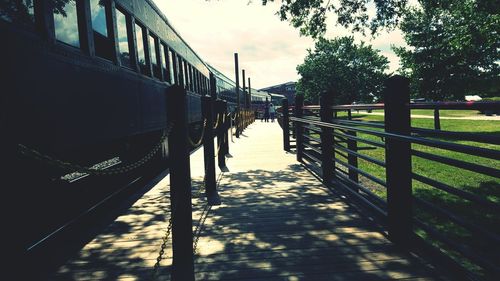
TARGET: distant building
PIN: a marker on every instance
(285, 89)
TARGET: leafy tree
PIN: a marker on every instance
(310, 15)
(454, 48)
(355, 71)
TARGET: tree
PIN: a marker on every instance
(454, 48)
(355, 71)
(310, 15)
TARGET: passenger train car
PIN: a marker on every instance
(87, 81)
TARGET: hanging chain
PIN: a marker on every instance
(201, 137)
(163, 247)
(217, 119)
(94, 171)
(168, 232)
(199, 227)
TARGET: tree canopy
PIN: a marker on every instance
(454, 48)
(354, 71)
(310, 15)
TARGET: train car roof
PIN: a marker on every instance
(170, 35)
(221, 75)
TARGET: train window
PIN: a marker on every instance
(18, 11)
(186, 75)
(190, 73)
(66, 24)
(103, 44)
(141, 54)
(178, 69)
(191, 80)
(164, 62)
(182, 71)
(123, 47)
(197, 81)
(200, 83)
(171, 66)
(153, 43)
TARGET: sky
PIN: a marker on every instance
(269, 49)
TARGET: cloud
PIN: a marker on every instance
(269, 49)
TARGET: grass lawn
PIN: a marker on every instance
(486, 187)
(442, 113)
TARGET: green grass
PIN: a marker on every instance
(442, 113)
(492, 99)
(480, 185)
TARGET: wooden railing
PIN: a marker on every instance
(371, 162)
(217, 123)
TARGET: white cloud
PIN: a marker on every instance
(269, 50)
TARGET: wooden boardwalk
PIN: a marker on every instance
(277, 222)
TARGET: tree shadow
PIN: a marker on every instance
(272, 225)
(284, 225)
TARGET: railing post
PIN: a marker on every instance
(299, 102)
(208, 149)
(398, 160)
(226, 125)
(437, 122)
(180, 186)
(352, 159)
(237, 122)
(326, 115)
(221, 157)
(286, 126)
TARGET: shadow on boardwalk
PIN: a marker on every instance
(127, 249)
(283, 225)
(274, 224)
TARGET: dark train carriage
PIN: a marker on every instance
(85, 82)
(93, 71)
(226, 89)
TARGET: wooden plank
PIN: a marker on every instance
(276, 222)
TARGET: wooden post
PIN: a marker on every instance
(180, 186)
(326, 114)
(213, 87)
(398, 160)
(249, 97)
(299, 102)
(237, 78)
(286, 126)
(352, 159)
(437, 122)
(221, 157)
(226, 127)
(208, 149)
(244, 88)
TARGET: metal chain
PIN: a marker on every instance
(220, 145)
(168, 231)
(199, 227)
(163, 247)
(217, 121)
(93, 171)
(201, 137)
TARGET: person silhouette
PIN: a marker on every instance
(266, 111)
(272, 111)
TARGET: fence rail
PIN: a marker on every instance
(380, 165)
